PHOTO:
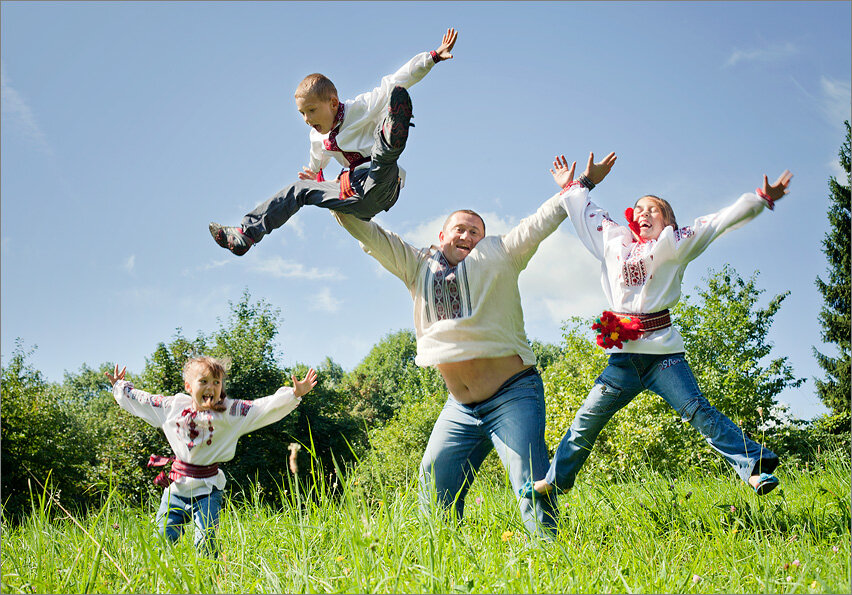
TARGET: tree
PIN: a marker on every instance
(39, 437)
(834, 316)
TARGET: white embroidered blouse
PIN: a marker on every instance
(362, 115)
(203, 437)
(642, 278)
(472, 310)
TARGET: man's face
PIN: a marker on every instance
(319, 114)
(205, 390)
(460, 234)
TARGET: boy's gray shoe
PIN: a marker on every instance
(396, 124)
(231, 238)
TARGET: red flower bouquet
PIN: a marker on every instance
(614, 331)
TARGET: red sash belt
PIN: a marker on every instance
(651, 322)
(180, 469)
(616, 328)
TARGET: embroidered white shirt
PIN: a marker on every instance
(470, 311)
(208, 436)
(363, 114)
(642, 278)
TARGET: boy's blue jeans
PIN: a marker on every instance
(203, 511)
(376, 187)
(668, 375)
(512, 422)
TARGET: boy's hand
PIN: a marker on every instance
(116, 375)
(779, 188)
(447, 44)
(562, 174)
(304, 386)
(596, 172)
(307, 174)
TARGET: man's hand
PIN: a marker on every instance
(307, 174)
(116, 375)
(447, 44)
(562, 174)
(596, 172)
(779, 188)
(304, 386)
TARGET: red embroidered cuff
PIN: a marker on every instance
(570, 185)
(435, 57)
(769, 202)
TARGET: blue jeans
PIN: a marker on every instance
(511, 421)
(668, 375)
(203, 511)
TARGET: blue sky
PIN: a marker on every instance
(127, 127)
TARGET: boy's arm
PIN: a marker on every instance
(395, 254)
(152, 408)
(268, 410)
(692, 241)
(410, 73)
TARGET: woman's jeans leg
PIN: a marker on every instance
(176, 511)
(512, 421)
(671, 377)
(613, 389)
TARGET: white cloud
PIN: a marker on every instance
(130, 263)
(772, 53)
(324, 302)
(18, 113)
(835, 100)
(278, 267)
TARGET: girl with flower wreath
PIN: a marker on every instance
(642, 265)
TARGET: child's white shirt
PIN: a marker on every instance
(490, 322)
(218, 432)
(645, 277)
(363, 114)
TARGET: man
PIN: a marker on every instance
(469, 324)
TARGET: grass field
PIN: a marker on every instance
(702, 533)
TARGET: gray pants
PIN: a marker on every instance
(376, 189)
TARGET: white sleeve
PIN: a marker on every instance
(692, 241)
(318, 158)
(523, 240)
(151, 408)
(413, 71)
(395, 254)
(589, 219)
(267, 410)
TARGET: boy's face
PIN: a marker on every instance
(318, 113)
(460, 234)
(649, 215)
(205, 390)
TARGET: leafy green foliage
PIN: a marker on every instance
(834, 317)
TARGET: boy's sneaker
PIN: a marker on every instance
(396, 123)
(231, 238)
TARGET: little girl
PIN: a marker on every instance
(642, 265)
(202, 427)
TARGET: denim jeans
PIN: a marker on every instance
(668, 375)
(512, 422)
(175, 511)
(376, 189)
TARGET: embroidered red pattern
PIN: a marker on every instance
(446, 287)
(353, 158)
(240, 407)
(633, 270)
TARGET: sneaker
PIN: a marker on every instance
(231, 238)
(397, 122)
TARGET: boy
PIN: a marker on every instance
(202, 428)
(366, 135)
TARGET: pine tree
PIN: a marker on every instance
(834, 317)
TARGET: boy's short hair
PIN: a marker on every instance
(665, 208)
(316, 85)
(216, 367)
(467, 212)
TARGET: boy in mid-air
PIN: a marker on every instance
(366, 135)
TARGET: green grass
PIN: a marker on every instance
(645, 533)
